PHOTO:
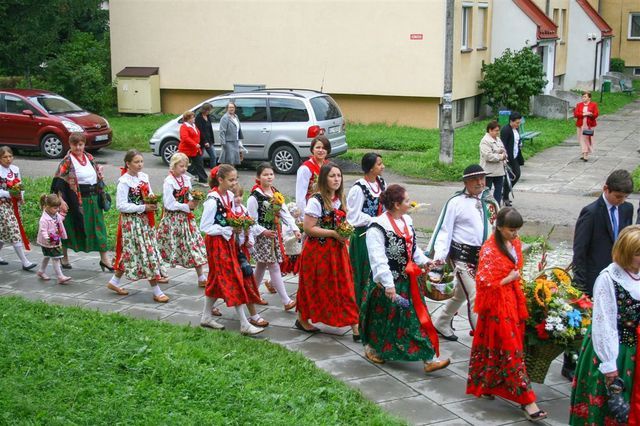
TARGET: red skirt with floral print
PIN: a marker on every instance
(225, 280)
(325, 290)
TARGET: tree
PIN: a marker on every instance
(511, 80)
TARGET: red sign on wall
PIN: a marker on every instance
(416, 36)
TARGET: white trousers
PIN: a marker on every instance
(464, 290)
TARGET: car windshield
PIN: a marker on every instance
(56, 104)
(325, 108)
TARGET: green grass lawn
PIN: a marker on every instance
(61, 365)
(134, 131)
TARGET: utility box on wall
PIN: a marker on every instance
(139, 90)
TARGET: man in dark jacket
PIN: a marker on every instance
(510, 137)
(597, 228)
(203, 123)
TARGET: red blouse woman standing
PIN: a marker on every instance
(586, 113)
(496, 365)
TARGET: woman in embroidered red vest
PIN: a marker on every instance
(325, 289)
(309, 170)
(137, 254)
(496, 365)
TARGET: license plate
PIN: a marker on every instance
(101, 138)
(334, 129)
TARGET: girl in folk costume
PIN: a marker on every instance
(292, 243)
(137, 254)
(225, 278)
(608, 364)
(179, 238)
(325, 290)
(51, 232)
(266, 206)
(246, 241)
(308, 172)
(496, 366)
(363, 204)
(394, 317)
(11, 197)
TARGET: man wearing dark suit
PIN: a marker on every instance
(597, 228)
(510, 137)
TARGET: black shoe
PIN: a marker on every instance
(301, 328)
(3, 262)
(508, 203)
(568, 367)
(66, 265)
(103, 266)
(30, 267)
(357, 338)
(452, 337)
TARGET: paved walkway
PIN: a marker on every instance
(401, 388)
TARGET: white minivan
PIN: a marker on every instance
(277, 124)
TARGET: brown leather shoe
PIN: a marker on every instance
(431, 366)
(202, 283)
(372, 356)
(262, 302)
(162, 280)
(260, 322)
(216, 312)
(290, 305)
(121, 291)
(269, 287)
(161, 299)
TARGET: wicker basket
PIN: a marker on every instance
(538, 358)
(431, 291)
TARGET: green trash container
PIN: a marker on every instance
(503, 117)
(606, 86)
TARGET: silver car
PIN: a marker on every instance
(277, 124)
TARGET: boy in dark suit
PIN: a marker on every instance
(510, 137)
(597, 228)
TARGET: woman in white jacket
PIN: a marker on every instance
(492, 159)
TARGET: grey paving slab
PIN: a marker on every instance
(104, 306)
(186, 289)
(546, 393)
(66, 301)
(319, 348)
(418, 410)
(145, 313)
(484, 412)
(183, 319)
(188, 305)
(558, 411)
(5, 291)
(284, 335)
(410, 372)
(382, 388)
(442, 390)
(350, 367)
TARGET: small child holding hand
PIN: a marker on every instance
(51, 232)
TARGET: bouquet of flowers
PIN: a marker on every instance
(241, 222)
(273, 207)
(197, 195)
(54, 239)
(559, 313)
(152, 199)
(15, 189)
(342, 227)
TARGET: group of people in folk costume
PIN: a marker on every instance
(367, 281)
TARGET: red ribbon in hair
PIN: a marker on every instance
(634, 400)
(151, 215)
(214, 172)
(414, 271)
(256, 186)
(123, 170)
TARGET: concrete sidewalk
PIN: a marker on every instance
(402, 388)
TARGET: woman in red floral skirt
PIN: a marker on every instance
(325, 291)
(496, 365)
(225, 280)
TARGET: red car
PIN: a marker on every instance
(32, 119)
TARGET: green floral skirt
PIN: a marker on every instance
(94, 237)
(589, 394)
(360, 263)
(393, 332)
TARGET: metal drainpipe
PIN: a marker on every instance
(595, 64)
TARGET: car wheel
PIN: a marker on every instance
(285, 159)
(169, 148)
(51, 146)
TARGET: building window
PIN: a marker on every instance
(481, 27)
(466, 27)
(562, 30)
(636, 71)
(634, 25)
(477, 106)
(459, 110)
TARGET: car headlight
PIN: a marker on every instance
(71, 126)
(107, 121)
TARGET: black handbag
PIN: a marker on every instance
(616, 403)
(245, 266)
(104, 198)
(587, 132)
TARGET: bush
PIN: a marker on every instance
(511, 80)
(10, 82)
(617, 65)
